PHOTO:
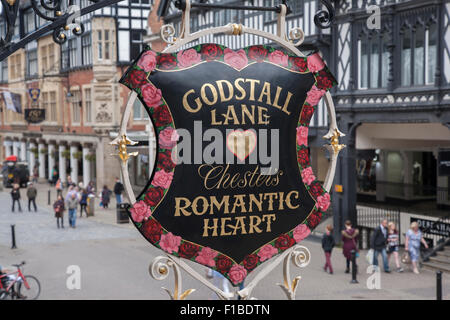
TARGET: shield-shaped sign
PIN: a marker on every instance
(233, 185)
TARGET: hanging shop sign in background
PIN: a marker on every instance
(34, 115)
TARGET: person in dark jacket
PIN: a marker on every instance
(31, 195)
(106, 195)
(59, 208)
(118, 189)
(15, 195)
(350, 240)
(327, 246)
(378, 244)
(83, 202)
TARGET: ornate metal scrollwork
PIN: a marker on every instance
(324, 18)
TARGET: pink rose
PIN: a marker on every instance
(168, 138)
(315, 63)
(162, 179)
(152, 96)
(140, 211)
(301, 232)
(323, 201)
(236, 59)
(279, 57)
(169, 242)
(188, 58)
(237, 273)
(267, 252)
(147, 61)
(314, 95)
(206, 257)
(308, 176)
(302, 135)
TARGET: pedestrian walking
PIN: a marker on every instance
(70, 182)
(118, 189)
(31, 195)
(392, 246)
(90, 187)
(59, 208)
(58, 187)
(15, 195)
(35, 174)
(83, 202)
(349, 237)
(412, 245)
(55, 175)
(378, 243)
(106, 195)
(328, 244)
(72, 205)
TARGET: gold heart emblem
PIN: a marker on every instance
(241, 143)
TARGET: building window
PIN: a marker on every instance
(104, 44)
(87, 49)
(269, 15)
(419, 55)
(32, 63)
(76, 102)
(46, 104)
(373, 56)
(4, 71)
(107, 45)
(139, 112)
(29, 21)
(88, 105)
(99, 45)
(51, 56)
(296, 6)
(16, 66)
(136, 43)
(73, 57)
(65, 56)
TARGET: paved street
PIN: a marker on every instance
(114, 262)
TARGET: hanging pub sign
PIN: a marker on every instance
(233, 185)
(34, 94)
(34, 115)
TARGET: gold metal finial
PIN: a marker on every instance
(163, 270)
(237, 29)
(77, 29)
(122, 146)
(334, 141)
(58, 13)
(66, 28)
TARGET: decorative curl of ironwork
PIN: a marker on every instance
(324, 18)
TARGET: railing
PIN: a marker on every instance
(439, 232)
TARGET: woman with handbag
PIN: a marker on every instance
(392, 245)
(349, 237)
(412, 245)
(58, 206)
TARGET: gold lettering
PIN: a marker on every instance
(213, 91)
(182, 209)
(220, 84)
(239, 88)
(206, 227)
(288, 200)
(186, 104)
(195, 206)
(252, 88)
(269, 217)
(265, 92)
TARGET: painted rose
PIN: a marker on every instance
(307, 113)
(323, 201)
(236, 59)
(301, 232)
(257, 53)
(324, 80)
(250, 262)
(206, 257)
(165, 160)
(298, 64)
(154, 196)
(308, 176)
(168, 138)
(211, 51)
(152, 96)
(167, 61)
(284, 242)
(152, 230)
(302, 135)
(140, 211)
(187, 58)
(162, 179)
(136, 78)
(314, 95)
(315, 63)
(267, 252)
(314, 219)
(147, 62)
(237, 273)
(162, 116)
(188, 250)
(279, 57)
(223, 264)
(316, 189)
(169, 242)
(302, 157)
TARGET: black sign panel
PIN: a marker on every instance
(444, 163)
(233, 185)
(34, 115)
(436, 228)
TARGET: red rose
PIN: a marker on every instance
(167, 61)
(307, 113)
(136, 78)
(223, 264)
(188, 250)
(298, 64)
(284, 242)
(315, 189)
(152, 230)
(303, 157)
(162, 116)
(154, 196)
(257, 53)
(165, 160)
(314, 219)
(250, 262)
(211, 51)
(324, 80)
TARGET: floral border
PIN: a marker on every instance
(137, 78)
